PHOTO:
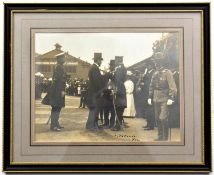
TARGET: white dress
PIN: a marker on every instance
(130, 110)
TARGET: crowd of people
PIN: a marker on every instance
(118, 93)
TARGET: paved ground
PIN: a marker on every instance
(74, 120)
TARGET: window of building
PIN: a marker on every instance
(71, 69)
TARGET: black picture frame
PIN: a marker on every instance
(118, 168)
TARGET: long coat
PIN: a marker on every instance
(119, 79)
(95, 87)
(57, 99)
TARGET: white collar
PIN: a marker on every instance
(150, 71)
(96, 64)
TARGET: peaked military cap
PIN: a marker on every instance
(60, 55)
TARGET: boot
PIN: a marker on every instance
(160, 131)
(165, 130)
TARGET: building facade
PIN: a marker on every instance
(75, 67)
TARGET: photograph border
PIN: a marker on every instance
(10, 9)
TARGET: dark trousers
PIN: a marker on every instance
(119, 119)
(92, 122)
(109, 110)
(161, 116)
(150, 116)
(55, 111)
(82, 101)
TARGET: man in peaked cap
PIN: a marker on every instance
(162, 93)
(120, 100)
(57, 92)
(94, 93)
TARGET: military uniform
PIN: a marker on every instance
(57, 94)
(162, 88)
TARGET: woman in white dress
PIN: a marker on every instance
(129, 85)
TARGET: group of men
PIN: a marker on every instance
(107, 93)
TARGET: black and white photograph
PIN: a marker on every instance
(107, 88)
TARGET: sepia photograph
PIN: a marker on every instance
(107, 88)
(110, 88)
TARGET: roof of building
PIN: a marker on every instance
(52, 54)
(140, 64)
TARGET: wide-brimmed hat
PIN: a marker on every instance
(118, 59)
(97, 56)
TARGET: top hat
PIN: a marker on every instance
(60, 55)
(112, 63)
(97, 56)
(118, 59)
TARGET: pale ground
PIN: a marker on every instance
(74, 120)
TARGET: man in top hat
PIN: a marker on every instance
(162, 93)
(57, 92)
(94, 97)
(120, 100)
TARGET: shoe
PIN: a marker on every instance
(100, 128)
(145, 126)
(93, 130)
(116, 129)
(148, 129)
(60, 127)
(105, 127)
(56, 129)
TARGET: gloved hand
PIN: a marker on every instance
(169, 102)
(150, 101)
(63, 93)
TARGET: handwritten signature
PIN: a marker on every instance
(127, 137)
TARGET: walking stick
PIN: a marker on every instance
(48, 120)
(116, 117)
(170, 129)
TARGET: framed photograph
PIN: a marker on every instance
(117, 88)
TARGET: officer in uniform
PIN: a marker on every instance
(94, 96)
(162, 93)
(120, 100)
(57, 92)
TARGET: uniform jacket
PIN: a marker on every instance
(162, 86)
(58, 86)
(119, 79)
(95, 86)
